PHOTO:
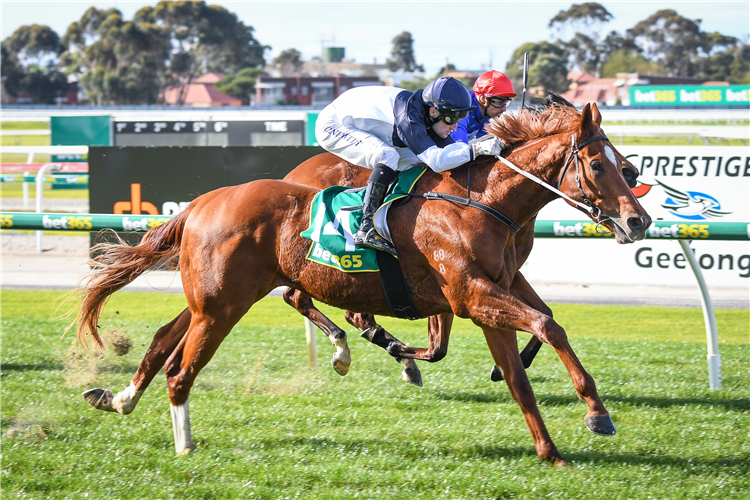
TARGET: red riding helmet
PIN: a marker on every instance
(493, 83)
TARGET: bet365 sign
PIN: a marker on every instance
(690, 95)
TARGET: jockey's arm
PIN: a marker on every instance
(446, 158)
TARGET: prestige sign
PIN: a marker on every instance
(690, 95)
(690, 192)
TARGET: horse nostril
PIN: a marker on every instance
(635, 223)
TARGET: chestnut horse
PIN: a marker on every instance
(325, 170)
(238, 243)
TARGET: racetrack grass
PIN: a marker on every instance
(15, 190)
(267, 427)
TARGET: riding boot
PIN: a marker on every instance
(368, 236)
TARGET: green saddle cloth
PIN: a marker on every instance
(333, 224)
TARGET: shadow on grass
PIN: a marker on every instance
(629, 458)
(47, 365)
(739, 404)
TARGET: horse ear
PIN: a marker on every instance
(586, 118)
(596, 116)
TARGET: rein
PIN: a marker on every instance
(588, 206)
(469, 202)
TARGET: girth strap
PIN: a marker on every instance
(394, 287)
(471, 203)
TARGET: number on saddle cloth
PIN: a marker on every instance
(335, 217)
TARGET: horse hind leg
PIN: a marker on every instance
(302, 302)
(194, 350)
(164, 342)
(376, 334)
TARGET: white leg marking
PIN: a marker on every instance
(183, 441)
(343, 358)
(126, 400)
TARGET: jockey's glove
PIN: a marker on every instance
(488, 145)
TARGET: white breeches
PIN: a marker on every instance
(358, 146)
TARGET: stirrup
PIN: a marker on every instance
(373, 240)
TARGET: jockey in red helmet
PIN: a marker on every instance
(493, 92)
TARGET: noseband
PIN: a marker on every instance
(595, 211)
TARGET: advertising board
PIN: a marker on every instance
(686, 185)
(690, 95)
(209, 133)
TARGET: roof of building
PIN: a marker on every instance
(201, 92)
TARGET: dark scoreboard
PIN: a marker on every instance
(209, 133)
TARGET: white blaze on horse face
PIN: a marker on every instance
(610, 155)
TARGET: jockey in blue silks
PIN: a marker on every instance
(493, 91)
(388, 129)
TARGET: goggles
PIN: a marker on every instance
(499, 102)
(454, 117)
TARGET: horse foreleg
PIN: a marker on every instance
(376, 334)
(502, 344)
(491, 306)
(163, 344)
(303, 303)
(521, 289)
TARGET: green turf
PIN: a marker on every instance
(15, 190)
(267, 427)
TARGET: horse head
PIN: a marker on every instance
(601, 177)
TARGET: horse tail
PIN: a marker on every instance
(114, 265)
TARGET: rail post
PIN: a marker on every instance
(29, 159)
(312, 344)
(712, 341)
(40, 194)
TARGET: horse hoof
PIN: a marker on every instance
(411, 372)
(101, 399)
(340, 366)
(496, 374)
(601, 425)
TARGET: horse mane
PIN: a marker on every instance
(530, 124)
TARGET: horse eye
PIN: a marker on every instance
(596, 165)
(630, 177)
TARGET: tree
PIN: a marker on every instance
(547, 67)
(732, 65)
(288, 62)
(241, 85)
(203, 38)
(29, 64)
(403, 54)
(116, 61)
(677, 43)
(586, 14)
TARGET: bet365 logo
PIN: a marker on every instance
(135, 206)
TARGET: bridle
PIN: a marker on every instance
(595, 211)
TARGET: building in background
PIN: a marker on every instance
(200, 93)
(306, 90)
(634, 89)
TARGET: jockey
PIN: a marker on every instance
(493, 91)
(388, 129)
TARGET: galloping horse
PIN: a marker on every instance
(238, 243)
(325, 170)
